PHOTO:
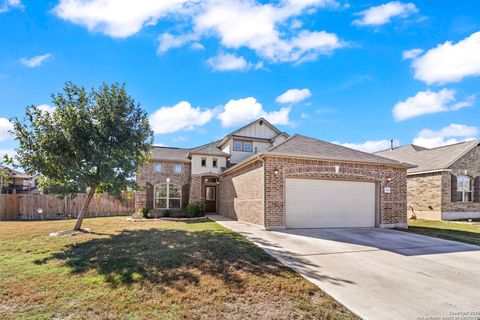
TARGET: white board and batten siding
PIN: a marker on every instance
(314, 203)
(257, 130)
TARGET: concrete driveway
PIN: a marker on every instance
(377, 273)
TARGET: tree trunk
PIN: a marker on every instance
(81, 215)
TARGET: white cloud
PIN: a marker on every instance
(178, 117)
(228, 62)
(116, 18)
(427, 102)
(261, 27)
(197, 46)
(241, 111)
(453, 133)
(382, 14)
(449, 62)
(293, 95)
(46, 108)
(7, 5)
(169, 41)
(240, 23)
(370, 145)
(411, 54)
(5, 127)
(35, 61)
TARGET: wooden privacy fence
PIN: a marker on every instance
(26, 206)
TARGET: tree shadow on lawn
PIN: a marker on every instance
(169, 258)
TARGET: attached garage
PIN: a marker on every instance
(316, 203)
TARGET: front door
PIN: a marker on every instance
(211, 199)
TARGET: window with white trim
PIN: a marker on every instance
(214, 162)
(204, 162)
(242, 145)
(168, 196)
(464, 189)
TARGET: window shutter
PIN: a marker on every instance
(454, 188)
(476, 190)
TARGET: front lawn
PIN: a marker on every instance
(463, 232)
(148, 270)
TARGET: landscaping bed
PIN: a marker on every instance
(148, 270)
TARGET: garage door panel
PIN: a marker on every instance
(312, 203)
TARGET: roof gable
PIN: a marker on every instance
(260, 129)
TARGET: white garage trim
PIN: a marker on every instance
(319, 203)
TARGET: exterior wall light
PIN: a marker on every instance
(276, 172)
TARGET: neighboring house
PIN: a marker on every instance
(19, 182)
(445, 185)
(260, 175)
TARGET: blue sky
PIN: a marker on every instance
(358, 73)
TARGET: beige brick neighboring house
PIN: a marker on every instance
(260, 175)
(445, 185)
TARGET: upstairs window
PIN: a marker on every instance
(158, 167)
(237, 146)
(214, 162)
(178, 168)
(204, 162)
(242, 145)
(464, 189)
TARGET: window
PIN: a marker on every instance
(204, 162)
(464, 189)
(168, 196)
(158, 167)
(214, 162)
(178, 168)
(210, 193)
(239, 145)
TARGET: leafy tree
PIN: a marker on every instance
(92, 142)
(4, 177)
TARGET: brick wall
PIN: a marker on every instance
(424, 194)
(147, 178)
(242, 194)
(458, 210)
(392, 206)
(196, 189)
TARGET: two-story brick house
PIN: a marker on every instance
(263, 176)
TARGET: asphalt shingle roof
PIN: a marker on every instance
(210, 150)
(172, 154)
(429, 159)
(299, 145)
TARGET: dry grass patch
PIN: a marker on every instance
(147, 270)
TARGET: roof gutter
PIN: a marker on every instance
(428, 171)
(397, 165)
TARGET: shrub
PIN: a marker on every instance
(167, 213)
(195, 209)
(141, 213)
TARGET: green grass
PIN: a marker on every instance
(148, 270)
(463, 232)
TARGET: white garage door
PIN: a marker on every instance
(329, 204)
